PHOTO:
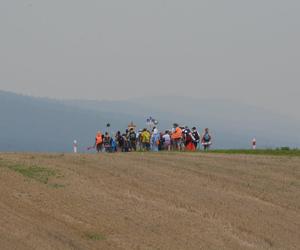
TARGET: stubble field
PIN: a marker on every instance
(149, 201)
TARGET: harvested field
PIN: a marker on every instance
(149, 201)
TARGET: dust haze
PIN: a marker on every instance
(236, 50)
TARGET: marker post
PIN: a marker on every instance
(75, 147)
(254, 144)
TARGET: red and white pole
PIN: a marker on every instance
(254, 144)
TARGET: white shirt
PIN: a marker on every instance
(167, 138)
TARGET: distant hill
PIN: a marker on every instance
(36, 124)
(39, 124)
(233, 124)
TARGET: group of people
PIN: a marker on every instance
(176, 139)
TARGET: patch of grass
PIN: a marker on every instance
(37, 173)
(94, 236)
(273, 152)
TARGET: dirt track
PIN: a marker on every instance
(151, 201)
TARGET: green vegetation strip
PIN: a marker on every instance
(94, 236)
(273, 152)
(37, 173)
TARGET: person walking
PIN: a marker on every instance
(139, 146)
(132, 139)
(125, 147)
(167, 140)
(99, 142)
(206, 139)
(196, 136)
(155, 139)
(145, 139)
(189, 140)
(119, 140)
(177, 137)
(107, 143)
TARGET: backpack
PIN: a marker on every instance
(156, 139)
(113, 144)
(120, 140)
(196, 136)
(107, 141)
(206, 137)
(188, 138)
(132, 136)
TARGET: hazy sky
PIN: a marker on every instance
(247, 50)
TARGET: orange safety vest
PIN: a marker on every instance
(177, 134)
(99, 139)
